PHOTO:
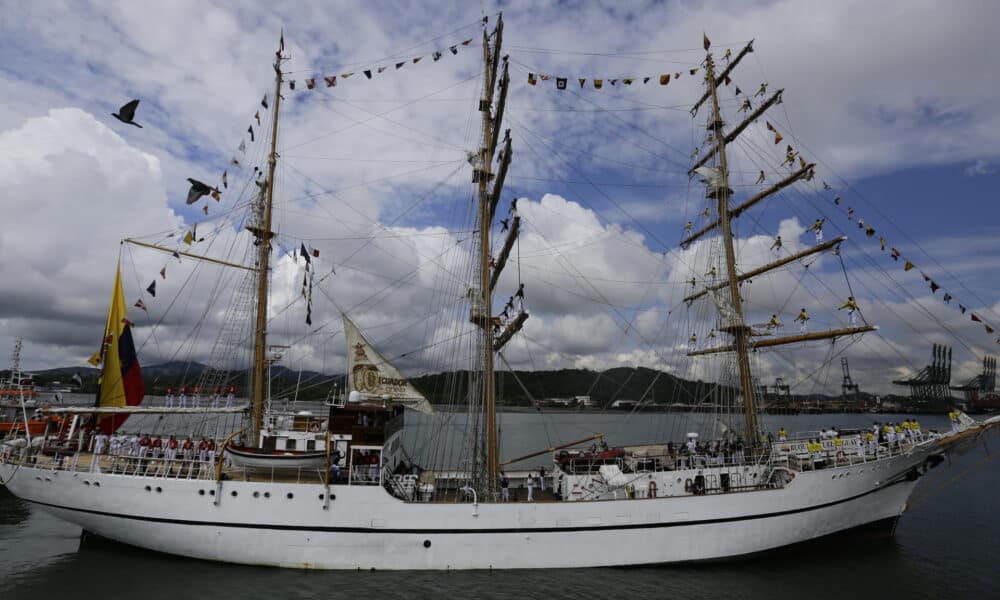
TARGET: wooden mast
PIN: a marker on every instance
(485, 290)
(263, 268)
(737, 328)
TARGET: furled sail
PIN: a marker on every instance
(371, 374)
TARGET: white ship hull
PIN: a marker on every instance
(367, 528)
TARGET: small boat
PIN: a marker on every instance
(243, 456)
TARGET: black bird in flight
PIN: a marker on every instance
(126, 113)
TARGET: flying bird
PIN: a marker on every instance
(126, 113)
(198, 189)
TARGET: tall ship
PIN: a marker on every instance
(339, 489)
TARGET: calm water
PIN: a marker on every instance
(946, 546)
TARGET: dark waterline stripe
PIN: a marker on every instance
(321, 529)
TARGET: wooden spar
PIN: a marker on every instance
(263, 270)
(787, 181)
(498, 41)
(736, 326)
(501, 258)
(791, 339)
(512, 329)
(770, 266)
(501, 175)
(722, 78)
(596, 436)
(188, 254)
(732, 135)
(501, 103)
(140, 410)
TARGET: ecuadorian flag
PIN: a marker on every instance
(120, 383)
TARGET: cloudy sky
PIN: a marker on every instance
(894, 102)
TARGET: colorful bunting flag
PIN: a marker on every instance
(560, 83)
(988, 328)
(976, 318)
(368, 73)
(291, 84)
(346, 75)
(330, 81)
(140, 304)
(598, 84)
(531, 79)
(225, 181)
(454, 49)
(311, 84)
(250, 131)
(263, 102)
(908, 266)
(467, 42)
(151, 289)
(664, 79)
(947, 298)
(416, 59)
(188, 239)
(934, 287)
(582, 81)
(163, 272)
(399, 65)
(436, 56)
(962, 308)
(706, 43)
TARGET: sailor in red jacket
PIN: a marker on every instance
(202, 450)
(211, 450)
(169, 399)
(172, 448)
(230, 395)
(144, 442)
(183, 399)
(157, 446)
(187, 448)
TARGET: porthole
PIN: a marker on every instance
(233, 493)
(267, 494)
(97, 484)
(211, 492)
(289, 495)
(256, 494)
(159, 489)
(427, 543)
(201, 492)
(149, 489)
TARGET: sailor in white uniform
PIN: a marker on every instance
(530, 482)
(100, 441)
